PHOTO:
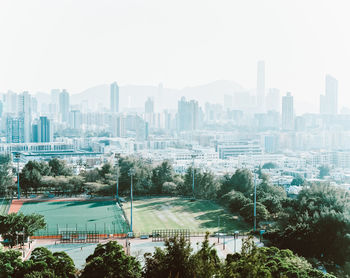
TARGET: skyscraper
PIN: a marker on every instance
(188, 115)
(149, 106)
(64, 106)
(44, 134)
(114, 97)
(75, 119)
(287, 112)
(25, 112)
(331, 95)
(260, 86)
(15, 129)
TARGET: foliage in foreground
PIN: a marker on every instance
(177, 259)
(109, 260)
(42, 264)
(13, 225)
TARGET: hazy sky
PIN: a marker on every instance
(77, 44)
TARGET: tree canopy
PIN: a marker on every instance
(109, 260)
(13, 225)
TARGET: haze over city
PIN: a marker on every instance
(80, 44)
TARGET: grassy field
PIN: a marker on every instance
(99, 216)
(178, 213)
(4, 205)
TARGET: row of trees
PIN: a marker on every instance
(177, 259)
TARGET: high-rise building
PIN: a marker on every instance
(11, 102)
(35, 132)
(159, 99)
(44, 134)
(260, 86)
(75, 119)
(329, 101)
(287, 112)
(64, 106)
(188, 115)
(25, 111)
(114, 97)
(149, 106)
(15, 130)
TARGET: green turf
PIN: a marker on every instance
(4, 205)
(178, 213)
(99, 216)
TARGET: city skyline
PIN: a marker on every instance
(133, 44)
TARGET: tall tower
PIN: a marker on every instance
(44, 130)
(64, 105)
(287, 112)
(331, 95)
(25, 112)
(114, 98)
(260, 85)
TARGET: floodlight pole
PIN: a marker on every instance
(131, 174)
(17, 155)
(117, 169)
(254, 202)
(193, 156)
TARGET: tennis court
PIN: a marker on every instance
(4, 205)
(103, 217)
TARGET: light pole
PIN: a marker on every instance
(18, 155)
(219, 229)
(193, 157)
(254, 202)
(117, 171)
(131, 174)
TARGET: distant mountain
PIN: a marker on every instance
(135, 96)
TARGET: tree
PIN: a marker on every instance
(169, 188)
(316, 224)
(109, 260)
(241, 180)
(247, 212)
(31, 175)
(324, 171)
(59, 168)
(267, 262)
(235, 200)
(5, 174)
(13, 225)
(271, 196)
(161, 174)
(10, 263)
(206, 261)
(269, 165)
(298, 180)
(174, 261)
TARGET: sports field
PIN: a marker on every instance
(104, 217)
(177, 213)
